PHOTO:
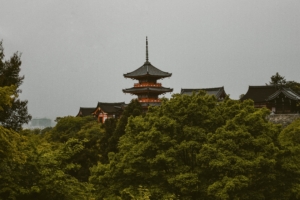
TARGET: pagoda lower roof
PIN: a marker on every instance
(147, 70)
(141, 90)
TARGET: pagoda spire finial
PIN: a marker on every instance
(147, 57)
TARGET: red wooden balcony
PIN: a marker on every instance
(147, 85)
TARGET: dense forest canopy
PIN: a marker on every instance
(190, 147)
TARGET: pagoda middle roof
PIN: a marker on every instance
(147, 70)
(137, 90)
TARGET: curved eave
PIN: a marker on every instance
(288, 94)
(147, 75)
(147, 70)
(147, 89)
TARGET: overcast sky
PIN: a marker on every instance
(74, 53)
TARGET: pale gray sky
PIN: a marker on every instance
(75, 52)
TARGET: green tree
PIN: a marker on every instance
(7, 93)
(81, 128)
(277, 80)
(159, 151)
(12, 158)
(194, 147)
(240, 159)
(32, 168)
(290, 160)
(134, 108)
(280, 81)
(46, 173)
(67, 127)
(14, 115)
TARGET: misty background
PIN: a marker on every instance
(74, 53)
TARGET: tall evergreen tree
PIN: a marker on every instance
(280, 81)
(14, 115)
(277, 80)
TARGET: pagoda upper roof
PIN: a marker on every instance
(140, 90)
(110, 108)
(216, 91)
(83, 111)
(147, 70)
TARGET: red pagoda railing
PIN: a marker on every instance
(147, 84)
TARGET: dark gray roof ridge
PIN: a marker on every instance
(194, 89)
(110, 103)
(158, 89)
(147, 70)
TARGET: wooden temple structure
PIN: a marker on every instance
(103, 111)
(218, 92)
(147, 89)
(85, 111)
(279, 100)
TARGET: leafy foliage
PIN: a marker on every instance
(11, 158)
(7, 95)
(134, 108)
(277, 79)
(194, 147)
(14, 114)
(190, 147)
(84, 129)
(290, 160)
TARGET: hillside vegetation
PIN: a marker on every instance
(190, 147)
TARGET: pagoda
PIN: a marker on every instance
(147, 89)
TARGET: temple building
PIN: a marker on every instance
(279, 100)
(83, 112)
(147, 89)
(104, 111)
(218, 92)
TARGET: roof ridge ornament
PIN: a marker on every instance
(147, 55)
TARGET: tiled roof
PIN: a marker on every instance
(110, 108)
(287, 92)
(147, 70)
(217, 91)
(259, 93)
(85, 112)
(138, 90)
